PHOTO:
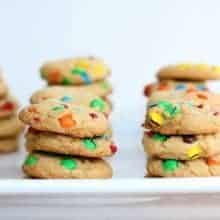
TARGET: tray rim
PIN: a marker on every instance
(148, 186)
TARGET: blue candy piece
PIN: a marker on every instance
(180, 87)
(201, 87)
(86, 78)
(66, 98)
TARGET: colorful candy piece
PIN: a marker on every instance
(66, 98)
(170, 165)
(160, 137)
(58, 108)
(180, 87)
(66, 121)
(31, 160)
(170, 109)
(83, 74)
(89, 143)
(201, 87)
(68, 163)
(54, 77)
(189, 139)
(114, 148)
(212, 161)
(98, 104)
(194, 152)
(156, 117)
(66, 82)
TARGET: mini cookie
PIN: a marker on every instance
(182, 117)
(168, 85)
(75, 71)
(10, 127)
(8, 107)
(75, 97)
(65, 118)
(8, 145)
(189, 71)
(88, 147)
(177, 168)
(51, 166)
(3, 88)
(184, 147)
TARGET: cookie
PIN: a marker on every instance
(182, 147)
(168, 85)
(10, 127)
(88, 147)
(195, 97)
(8, 145)
(189, 71)
(177, 168)
(75, 71)
(182, 117)
(51, 166)
(3, 88)
(8, 107)
(75, 97)
(64, 118)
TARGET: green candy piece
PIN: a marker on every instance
(68, 163)
(170, 109)
(160, 137)
(105, 85)
(170, 165)
(98, 104)
(66, 82)
(78, 71)
(31, 160)
(58, 108)
(89, 143)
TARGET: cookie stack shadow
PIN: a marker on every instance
(182, 128)
(10, 126)
(76, 106)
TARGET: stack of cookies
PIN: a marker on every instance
(66, 140)
(183, 122)
(10, 126)
(183, 134)
(84, 74)
(183, 77)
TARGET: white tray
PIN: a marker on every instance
(128, 194)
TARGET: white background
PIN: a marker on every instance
(134, 37)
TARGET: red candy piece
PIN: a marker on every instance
(149, 133)
(148, 90)
(114, 148)
(93, 115)
(7, 106)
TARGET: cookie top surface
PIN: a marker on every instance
(189, 71)
(168, 85)
(65, 118)
(181, 147)
(50, 166)
(177, 168)
(182, 116)
(71, 96)
(74, 71)
(98, 147)
(8, 106)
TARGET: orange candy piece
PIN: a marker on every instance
(66, 121)
(55, 77)
(163, 86)
(211, 162)
(202, 96)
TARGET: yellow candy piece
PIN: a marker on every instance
(156, 117)
(194, 152)
(83, 63)
(216, 69)
(184, 66)
(98, 69)
(202, 66)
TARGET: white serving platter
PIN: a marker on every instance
(128, 194)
